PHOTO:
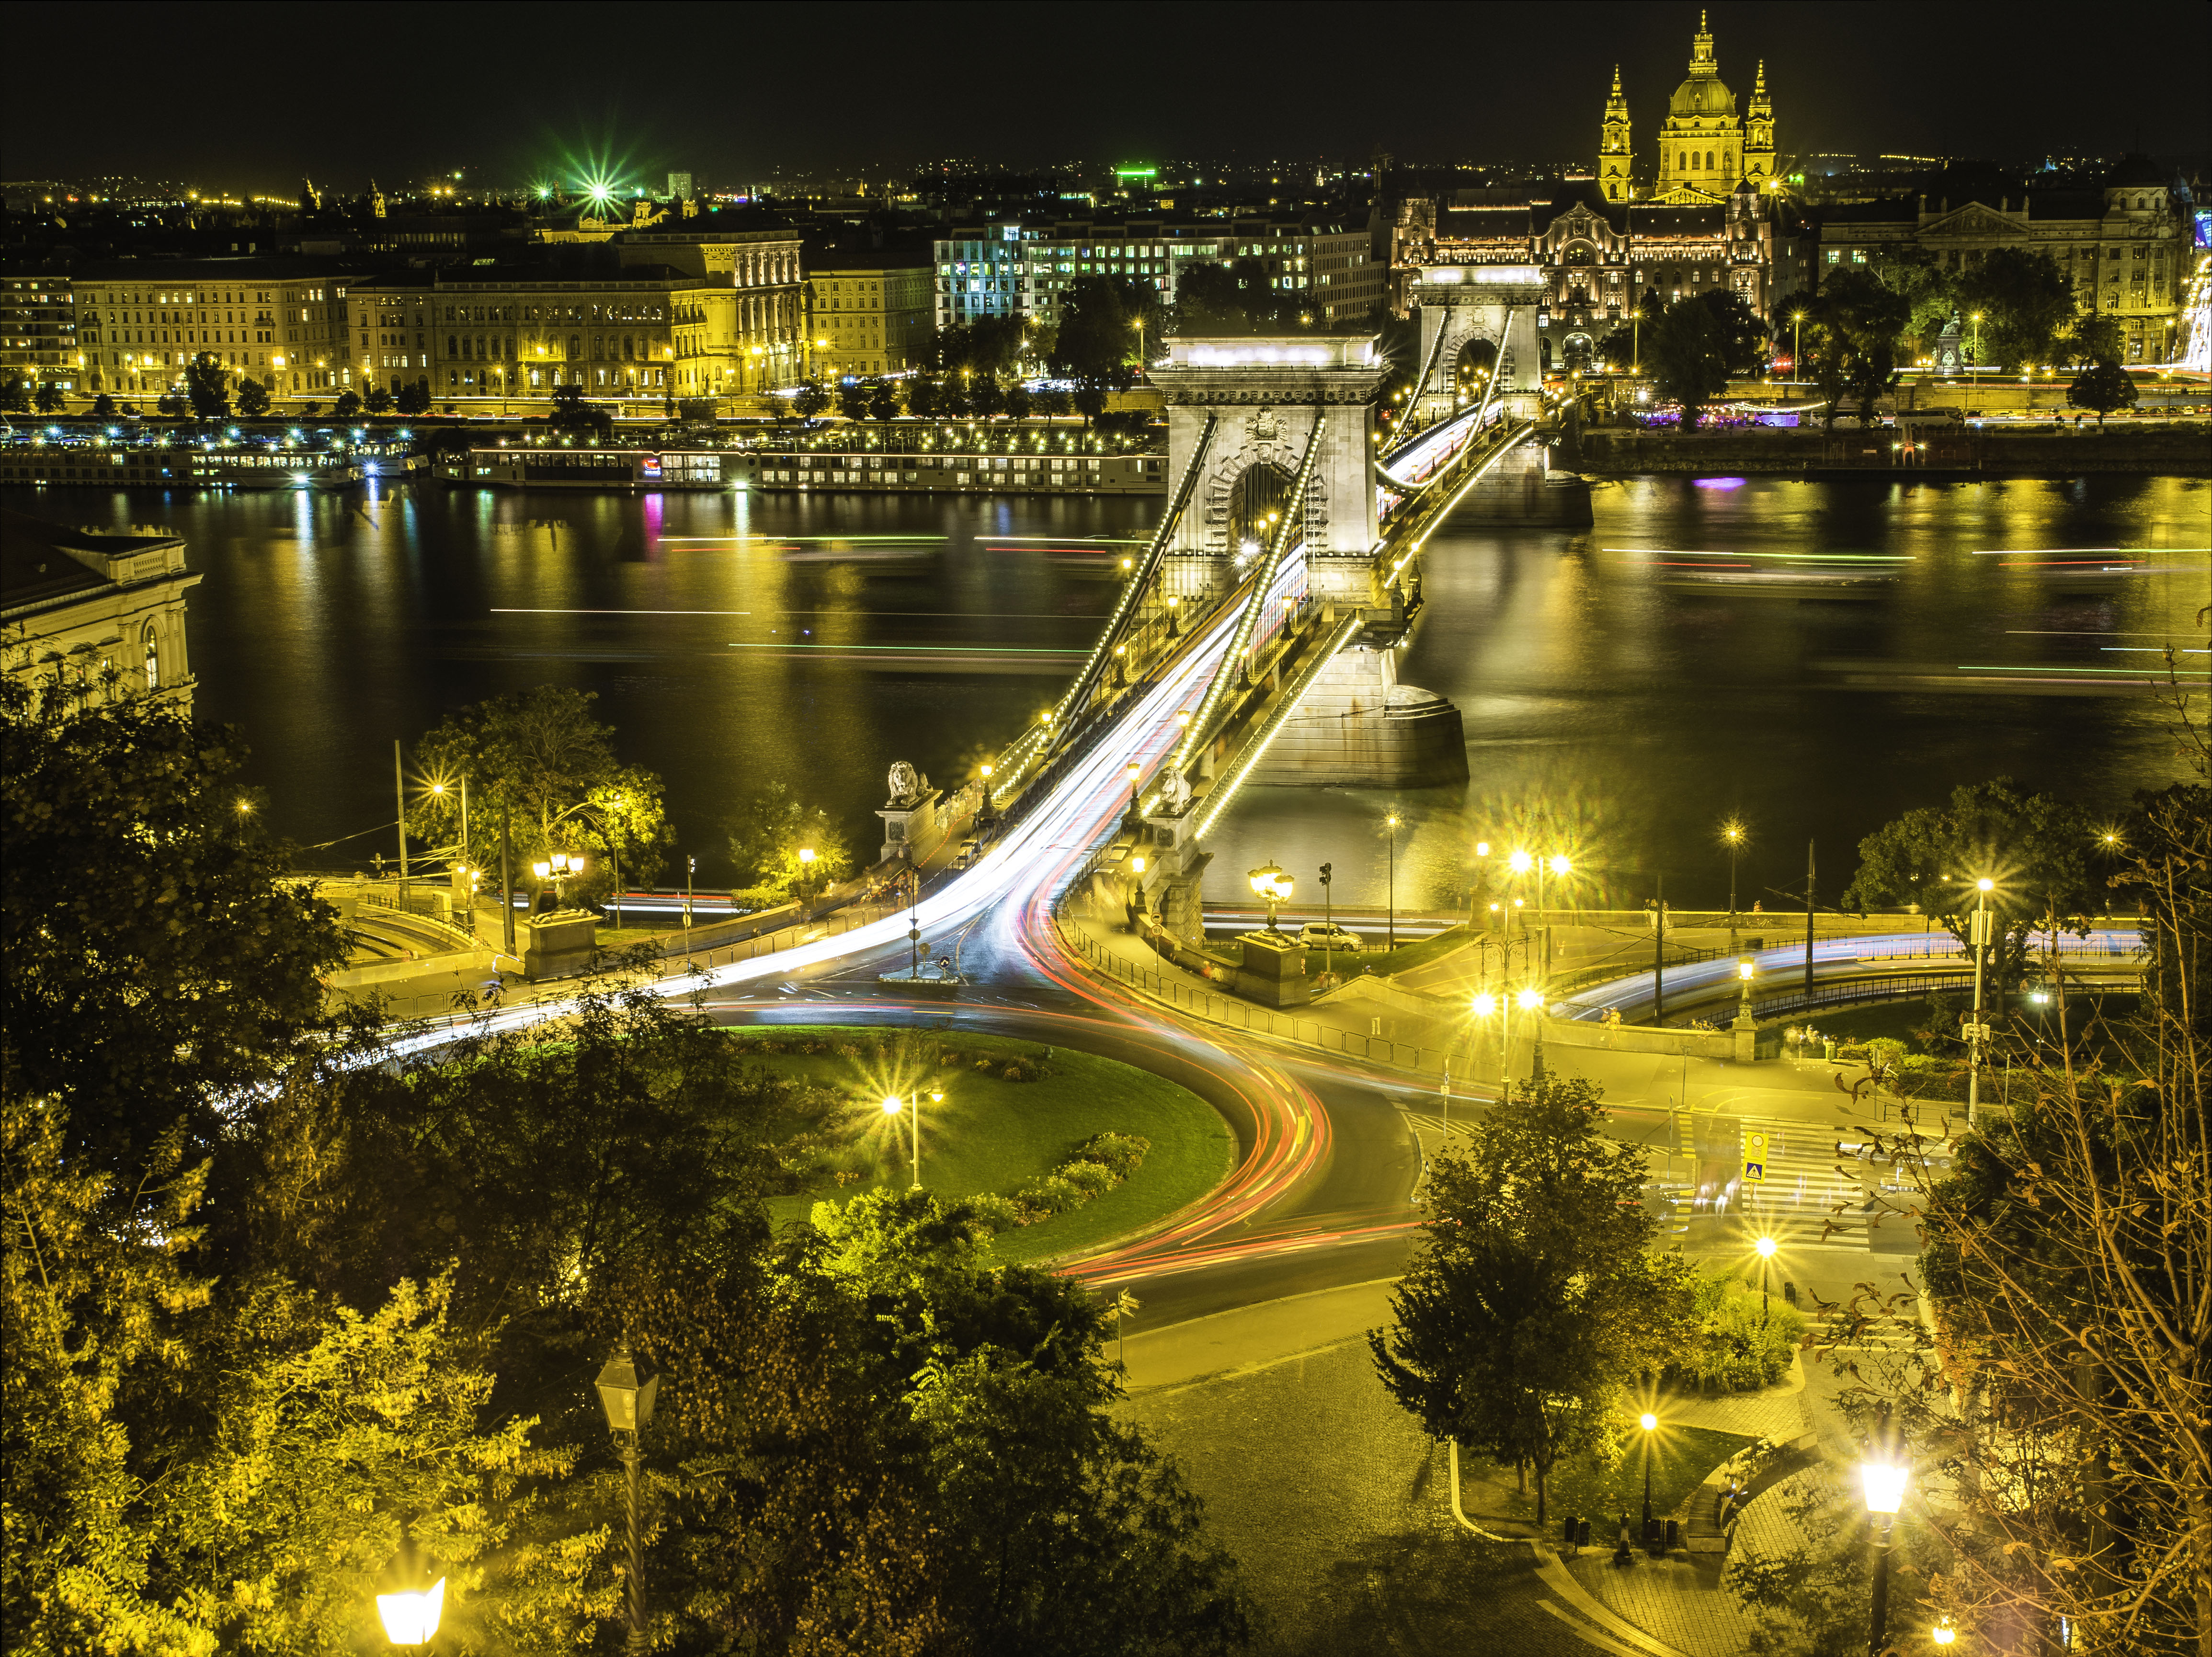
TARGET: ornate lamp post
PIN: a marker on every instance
(1390, 928)
(1732, 831)
(1270, 882)
(628, 1404)
(892, 1106)
(1766, 1247)
(1978, 1032)
(1649, 1423)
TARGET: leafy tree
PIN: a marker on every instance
(989, 397)
(309, 410)
(2034, 847)
(1096, 344)
(1860, 321)
(1929, 292)
(172, 406)
(1534, 1295)
(571, 412)
(953, 401)
(2105, 388)
(157, 968)
(1688, 358)
(48, 398)
(989, 344)
(810, 399)
(2025, 300)
(348, 405)
(103, 407)
(853, 401)
(207, 383)
(1742, 335)
(15, 394)
(415, 397)
(2094, 338)
(1239, 297)
(540, 755)
(924, 395)
(1017, 401)
(252, 399)
(1622, 349)
(883, 400)
(377, 399)
(1052, 402)
(769, 832)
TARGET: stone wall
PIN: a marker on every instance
(2184, 451)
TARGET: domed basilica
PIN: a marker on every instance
(1706, 149)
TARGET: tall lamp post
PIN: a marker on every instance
(892, 1106)
(1732, 831)
(1885, 1493)
(1328, 919)
(628, 1404)
(1391, 822)
(1977, 1032)
(1766, 1247)
(1649, 1423)
(1271, 883)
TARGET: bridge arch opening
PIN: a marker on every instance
(1478, 360)
(1257, 500)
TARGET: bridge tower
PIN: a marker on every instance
(1266, 399)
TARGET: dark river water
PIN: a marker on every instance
(1625, 689)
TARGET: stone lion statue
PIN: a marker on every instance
(906, 782)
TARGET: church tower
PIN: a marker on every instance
(1759, 136)
(1701, 144)
(1614, 158)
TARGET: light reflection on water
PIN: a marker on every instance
(1615, 708)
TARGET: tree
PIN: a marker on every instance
(1534, 1295)
(1859, 322)
(1237, 298)
(883, 400)
(103, 407)
(415, 397)
(2025, 300)
(1686, 355)
(15, 394)
(377, 399)
(252, 399)
(171, 405)
(1929, 292)
(769, 831)
(989, 397)
(989, 344)
(2034, 847)
(48, 398)
(1622, 349)
(2103, 388)
(348, 405)
(810, 399)
(853, 401)
(1017, 401)
(2094, 338)
(540, 755)
(923, 395)
(207, 383)
(571, 412)
(1096, 344)
(953, 402)
(1742, 335)
(159, 963)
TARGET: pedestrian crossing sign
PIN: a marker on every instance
(1754, 1157)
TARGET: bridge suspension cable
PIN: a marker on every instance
(1218, 798)
(1427, 367)
(1293, 524)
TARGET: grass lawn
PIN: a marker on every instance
(1404, 958)
(1899, 1019)
(992, 1135)
(1681, 1458)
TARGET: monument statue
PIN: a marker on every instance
(906, 782)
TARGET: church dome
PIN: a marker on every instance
(1704, 96)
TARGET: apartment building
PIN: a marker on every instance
(37, 331)
(138, 323)
(870, 312)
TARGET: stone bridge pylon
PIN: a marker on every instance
(1272, 405)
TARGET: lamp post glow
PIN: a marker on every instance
(1766, 1247)
(1885, 1484)
(1133, 770)
(1392, 927)
(892, 1106)
(1732, 831)
(629, 1402)
(411, 1614)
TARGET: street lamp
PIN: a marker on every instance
(1133, 770)
(1798, 346)
(892, 1106)
(805, 876)
(1885, 1493)
(410, 1615)
(1766, 1247)
(1943, 1633)
(628, 1404)
(1649, 1423)
(1732, 831)
(1977, 1032)
(1391, 822)
(1271, 882)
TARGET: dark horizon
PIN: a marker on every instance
(740, 94)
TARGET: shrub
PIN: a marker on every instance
(1886, 1051)
(1122, 1153)
(989, 1213)
(1735, 1348)
(1091, 1178)
(1049, 1196)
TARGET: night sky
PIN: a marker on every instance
(252, 96)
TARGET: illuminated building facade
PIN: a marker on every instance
(81, 605)
(1022, 269)
(2125, 244)
(514, 336)
(37, 331)
(1599, 258)
(875, 314)
(138, 324)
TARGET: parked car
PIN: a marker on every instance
(1321, 936)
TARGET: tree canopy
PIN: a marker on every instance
(1535, 1294)
(2103, 388)
(1687, 358)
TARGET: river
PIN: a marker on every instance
(1622, 694)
